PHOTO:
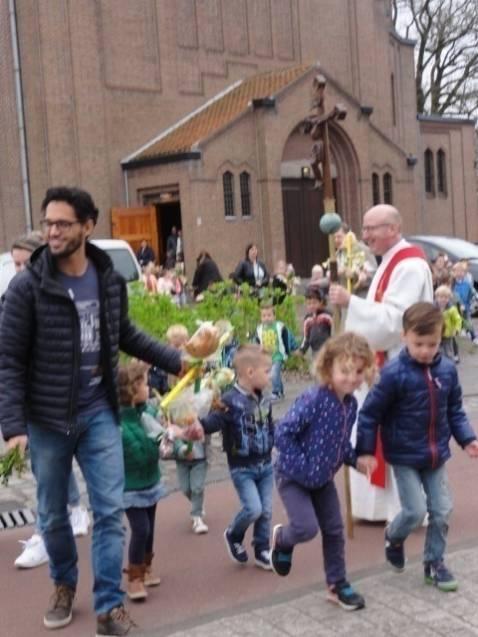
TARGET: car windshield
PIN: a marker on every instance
(123, 263)
(460, 248)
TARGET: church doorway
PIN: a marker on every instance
(305, 244)
(303, 202)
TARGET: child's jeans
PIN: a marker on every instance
(276, 378)
(141, 521)
(436, 500)
(191, 480)
(254, 486)
(308, 511)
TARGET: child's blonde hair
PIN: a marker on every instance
(349, 346)
(177, 335)
(130, 375)
(249, 355)
(444, 290)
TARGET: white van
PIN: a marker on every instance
(120, 252)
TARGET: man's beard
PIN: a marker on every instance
(70, 247)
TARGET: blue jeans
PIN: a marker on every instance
(422, 491)
(191, 481)
(276, 378)
(96, 444)
(254, 487)
(308, 511)
(73, 496)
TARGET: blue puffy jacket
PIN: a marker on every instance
(313, 438)
(246, 424)
(419, 407)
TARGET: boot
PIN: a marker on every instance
(135, 589)
(150, 579)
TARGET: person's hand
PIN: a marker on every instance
(185, 366)
(338, 295)
(366, 465)
(195, 432)
(472, 449)
(17, 441)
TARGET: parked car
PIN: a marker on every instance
(456, 250)
(123, 257)
(120, 252)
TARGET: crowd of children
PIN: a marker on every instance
(311, 442)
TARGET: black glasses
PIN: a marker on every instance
(62, 224)
(375, 227)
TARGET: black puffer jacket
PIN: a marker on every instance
(40, 345)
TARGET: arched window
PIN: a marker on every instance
(375, 189)
(387, 188)
(228, 187)
(245, 184)
(429, 172)
(441, 172)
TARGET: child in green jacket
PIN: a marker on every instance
(143, 487)
(452, 322)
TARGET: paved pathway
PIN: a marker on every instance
(396, 604)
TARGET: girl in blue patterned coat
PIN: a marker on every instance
(313, 441)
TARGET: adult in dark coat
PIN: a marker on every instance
(145, 254)
(64, 321)
(250, 270)
(206, 273)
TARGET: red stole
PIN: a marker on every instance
(378, 477)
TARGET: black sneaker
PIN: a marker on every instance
(60, 610)
(436, 573)
(115, 623)
(263, 560)
(395, 554)
(281, 560)
(345, 596)
(236, 550)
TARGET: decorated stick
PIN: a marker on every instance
(330, 221)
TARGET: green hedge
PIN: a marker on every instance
(155, 313)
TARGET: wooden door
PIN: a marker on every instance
(135, 224)
(305, 243)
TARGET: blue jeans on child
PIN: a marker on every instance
(411, 484)
(96, 444)
(254, 486)
(191, 480)
(276, 378)
(308, 511)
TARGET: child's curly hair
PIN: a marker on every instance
(349, 346)
(130, 376)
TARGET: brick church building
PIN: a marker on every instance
(190, 112)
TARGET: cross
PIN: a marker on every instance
(317, 125)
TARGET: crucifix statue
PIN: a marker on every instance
(317, 125)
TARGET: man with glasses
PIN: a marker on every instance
(64, 320)
(402, 279)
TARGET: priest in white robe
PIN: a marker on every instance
(402, 279)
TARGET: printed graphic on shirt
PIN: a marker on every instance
(270, 340)
(89, 317)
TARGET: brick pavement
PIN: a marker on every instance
(398, 605)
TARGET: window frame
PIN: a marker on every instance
(228, 194)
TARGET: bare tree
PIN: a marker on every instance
(446, 66)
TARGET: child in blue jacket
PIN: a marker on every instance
(313, 441)
(418, 405)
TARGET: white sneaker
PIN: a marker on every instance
(33, 554)
(199, 526)
(79, 520)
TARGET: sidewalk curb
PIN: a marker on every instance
(282, 598)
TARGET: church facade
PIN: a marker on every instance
(190, 113)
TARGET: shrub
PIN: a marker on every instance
(155, 313)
